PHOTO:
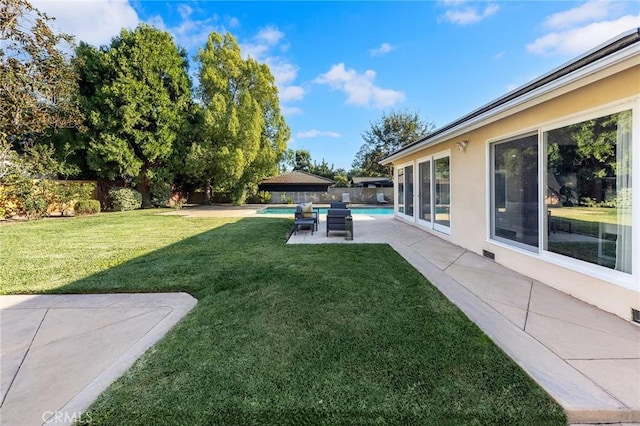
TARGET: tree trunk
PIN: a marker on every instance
(143, 188)
(207, 191)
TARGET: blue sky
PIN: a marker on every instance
(340, 65)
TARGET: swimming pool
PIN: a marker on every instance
(323, 210)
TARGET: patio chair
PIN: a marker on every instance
(345, 198)
(380, 198)
(337, 205)
(336, 220)
(307, 211)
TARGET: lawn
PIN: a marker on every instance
(313, 334)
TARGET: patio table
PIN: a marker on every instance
(311, 222)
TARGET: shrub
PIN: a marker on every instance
(31, 196)
(264, 196)
(160, 194)
(123, 199)
(87, 207)
(64, 194)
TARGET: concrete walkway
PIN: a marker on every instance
(586, 359)
(59, 352)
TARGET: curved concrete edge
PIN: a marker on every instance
(576, 393)
(180, 304)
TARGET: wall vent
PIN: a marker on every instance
(635, 315)
(488, 254)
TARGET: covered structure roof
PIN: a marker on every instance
(296, 180)
(377, 181)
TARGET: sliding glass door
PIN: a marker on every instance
(405, 191)
(424, 191)
(442, 193)
(433, 197)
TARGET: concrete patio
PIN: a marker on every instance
(586, 359)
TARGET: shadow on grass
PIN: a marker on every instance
(307, 334)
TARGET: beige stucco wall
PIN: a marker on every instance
(469, 207)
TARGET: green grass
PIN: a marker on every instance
(313, 334)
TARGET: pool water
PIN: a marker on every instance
(323, 210)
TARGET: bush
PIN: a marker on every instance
(160, 194)
(31, 196)
(264, 196)
(64, 194)
(87, 207)
(123, 199)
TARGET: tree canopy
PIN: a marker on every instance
(37, 81)
(136, 94)
(386, 135)
(244, 135)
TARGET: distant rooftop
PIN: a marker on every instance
(298, 177)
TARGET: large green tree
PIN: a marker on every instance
(37, 81)
(244, 135)
(386, 135)
(136, 94)
(302, 160)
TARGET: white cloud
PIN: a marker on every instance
(589, 11)
(469, 14)
(291, 93)
(283, 72)
(499, 55)
(189, 33)
(359, 88)
(290, 110)
(578, 40)
(184, 10)
(382, 49)
(314, 133)
(234, 22)
(95, 22)
(269, 36)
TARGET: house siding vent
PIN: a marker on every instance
(635, 315)
(488, 254)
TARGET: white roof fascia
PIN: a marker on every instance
(529, 98)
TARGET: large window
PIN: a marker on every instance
(588, 190)
(515, 191)
(581, 207)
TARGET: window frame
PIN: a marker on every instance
(491, 195)
(623, 279)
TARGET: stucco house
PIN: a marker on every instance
(541, 179)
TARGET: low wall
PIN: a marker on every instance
(356, 196)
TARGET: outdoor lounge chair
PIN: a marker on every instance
(301, 214)
(337, 205)
(336, 220)
(380, 198)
